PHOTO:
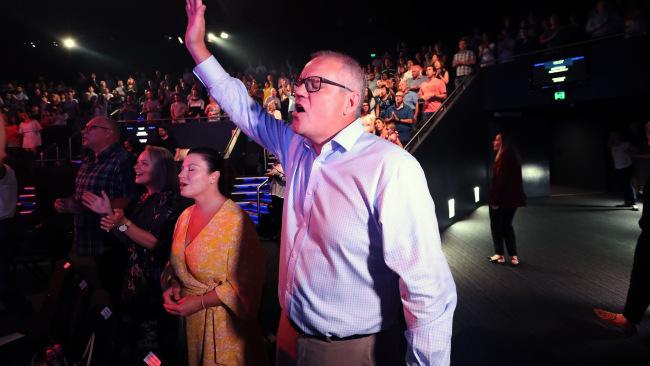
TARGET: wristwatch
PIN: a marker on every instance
(124, 227)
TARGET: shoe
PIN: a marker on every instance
(514, 261)
(497, 259)
(617, 320)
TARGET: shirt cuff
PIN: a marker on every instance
(210, 72)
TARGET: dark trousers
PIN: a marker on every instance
(502, 230)
(624, 183)
(638, 295)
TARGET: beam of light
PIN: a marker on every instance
(224, 35)
(69, 43)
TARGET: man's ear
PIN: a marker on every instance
(352, 104)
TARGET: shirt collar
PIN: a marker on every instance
(346, 138)
(349, 135)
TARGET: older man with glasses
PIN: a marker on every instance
(106, 170)
(360, 248)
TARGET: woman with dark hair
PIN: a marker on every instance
(216, 270)
(146, 228)
(506, 194)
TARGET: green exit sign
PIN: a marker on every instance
(560, 95)
(373, 55)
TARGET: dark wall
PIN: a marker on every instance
(188, 135)
(453, 158)
(618, 68)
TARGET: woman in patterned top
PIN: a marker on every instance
(146, 229)
(216, 270)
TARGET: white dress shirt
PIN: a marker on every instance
(360, 239)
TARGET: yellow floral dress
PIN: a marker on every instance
(225, 257)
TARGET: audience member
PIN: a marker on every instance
(638, 293)
(217, 269)
(30, 130)
(178, 109)
(151, 106)
(213, 110)
(403, 118)
(505, 196)
(107, 169)
(463, 62)
(433, 92)
(327, 145)
(195, 104)
(145, 228)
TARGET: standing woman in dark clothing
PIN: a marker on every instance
(505, 196)
(146, 228)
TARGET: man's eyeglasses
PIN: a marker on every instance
(313, 84)
(90, 128)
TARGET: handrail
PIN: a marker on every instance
(171, 120)
(259, 188)
(231, 143)
(429, 124)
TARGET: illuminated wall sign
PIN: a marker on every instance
(566, 70)
(559, 95)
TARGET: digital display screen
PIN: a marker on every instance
(557, 72)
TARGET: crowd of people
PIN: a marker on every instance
(181, 247)
(179, 98)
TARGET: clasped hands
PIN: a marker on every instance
(176, 304)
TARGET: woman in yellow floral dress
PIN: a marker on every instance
(216, 270)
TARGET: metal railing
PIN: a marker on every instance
(259, 194)
(434, 119)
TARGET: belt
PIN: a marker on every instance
(325, 338)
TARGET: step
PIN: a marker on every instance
(248, 185)
(250, 179)
(253, 201)
(262, 191)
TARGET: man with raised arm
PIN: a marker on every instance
(360, 241)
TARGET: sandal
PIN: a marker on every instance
(497, 259)
(514, 261)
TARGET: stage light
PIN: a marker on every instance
(69, 43)
(451, 204)
(224, 35)
(212, 37)
(180, 40)
(476, 194)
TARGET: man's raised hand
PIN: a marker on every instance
(195, 32)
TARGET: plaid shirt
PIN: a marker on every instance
(111, 172)
(464, 57)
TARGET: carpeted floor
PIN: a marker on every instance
(576, 254)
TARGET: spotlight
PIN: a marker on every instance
(180, 40)
(212, 37)
(224, 35)
(69, 43)
(476, 194)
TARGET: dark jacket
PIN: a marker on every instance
(507, 188)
